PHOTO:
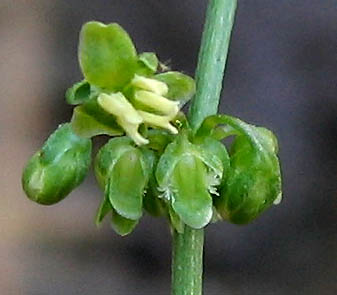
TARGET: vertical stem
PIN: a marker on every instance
(212, 59)
(187, 262)
(188, 247)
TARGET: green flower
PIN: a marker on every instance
(253, 181)
(121, 91)
(123, 172)
(187, 175)
(60, 166)
(161, 166)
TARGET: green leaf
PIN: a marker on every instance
(147, 63)
(122, 225)
(60, 166)
(181, 87)
(78, 93)
(123, 171)
(90, 119)
(107, 56)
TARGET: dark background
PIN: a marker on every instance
(281, 74)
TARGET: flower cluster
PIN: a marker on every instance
(154, 162)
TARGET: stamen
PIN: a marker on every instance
(127, 117)
(132, 131)
(157, 102)
(159, 121)
(152, 85)
(118, 105)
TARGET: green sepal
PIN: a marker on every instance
(180, 86)
(107, 56)
(183, 175)
(126, 185)
(122, 225)
(123, 171)
(191, 200)
(147, 64)
(60, 166)
(78, 93)
(253, 182)
(90, 119)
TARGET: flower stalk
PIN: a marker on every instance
(187, 250)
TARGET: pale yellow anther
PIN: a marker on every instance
(152, 85)
(126, 115)
(118, 105)
(157, 102)
(158, 121)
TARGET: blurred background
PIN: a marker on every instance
(281, 74)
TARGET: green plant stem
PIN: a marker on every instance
(212, 60)
(187, 256)
(187, 249)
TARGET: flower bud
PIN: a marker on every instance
(61, 165)
(253, 183)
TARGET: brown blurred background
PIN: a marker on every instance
(281, 73)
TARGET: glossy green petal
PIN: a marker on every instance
(181, 87)
(78, 93)
(107, 56)
(90, 120)
(60, 166)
